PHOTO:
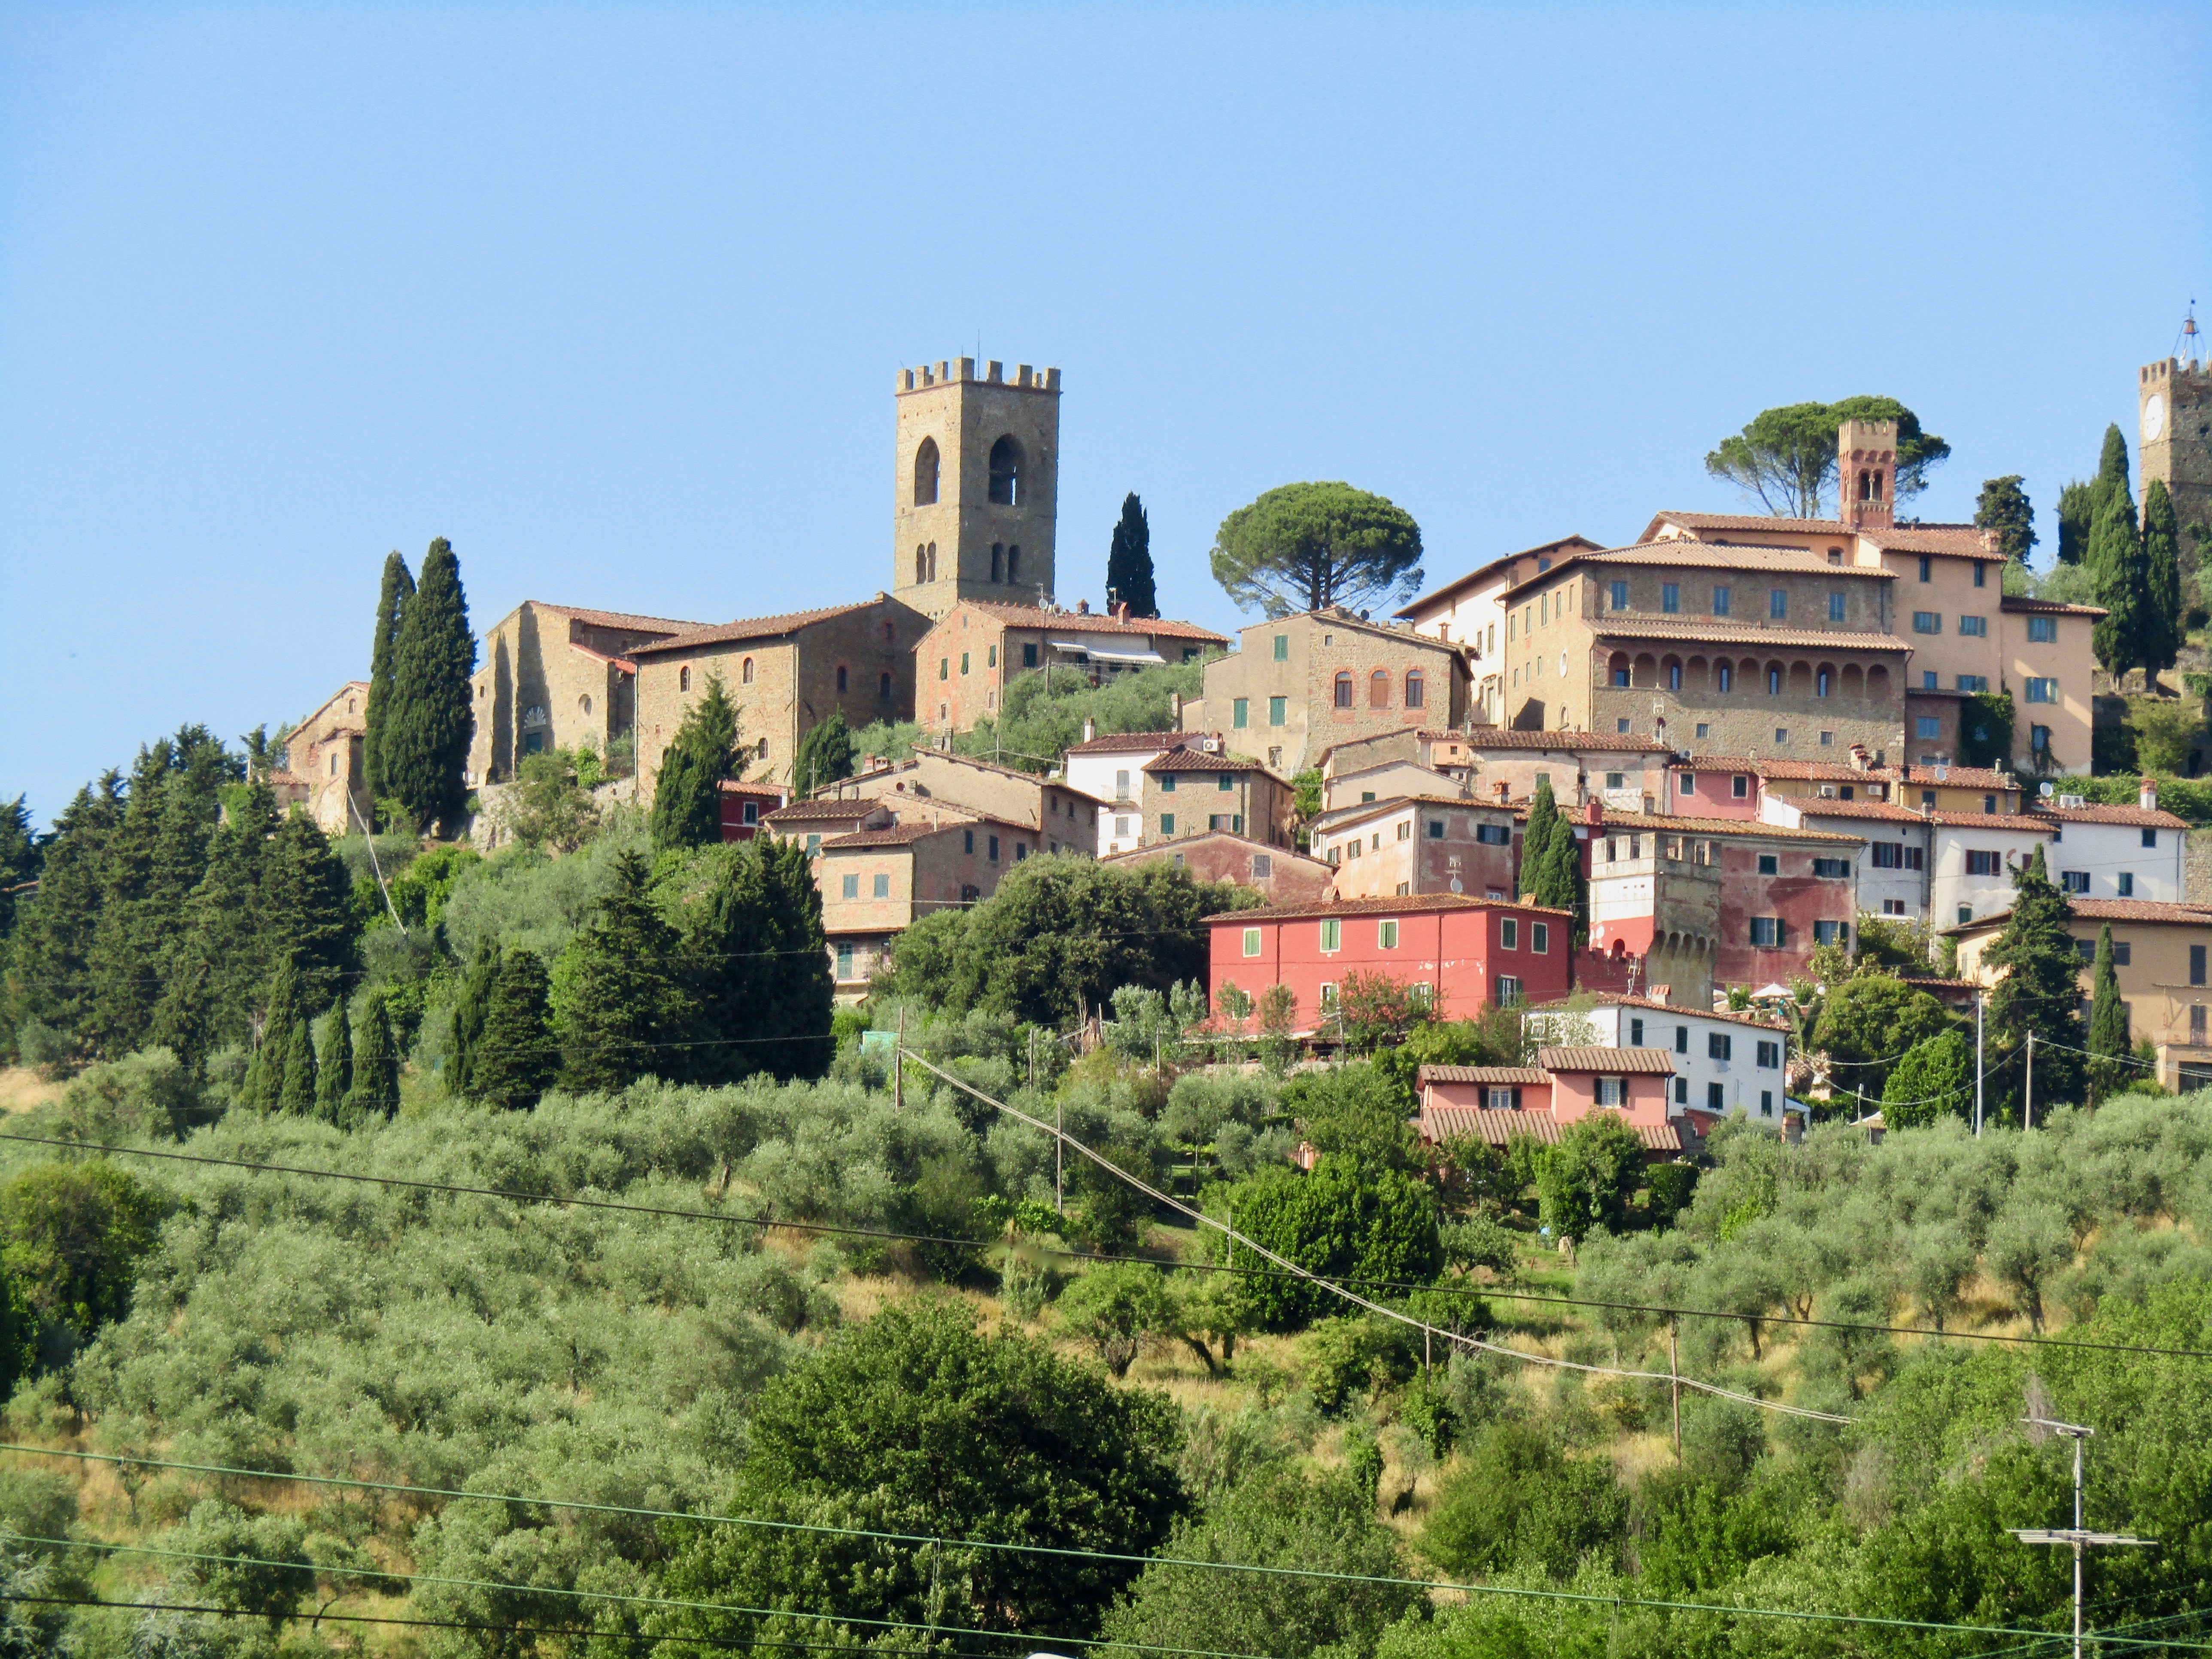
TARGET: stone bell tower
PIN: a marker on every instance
(975, 484)
(1866, 473)
(2173, 408)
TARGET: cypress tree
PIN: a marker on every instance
(470, 1008)
(2164, 623)
(119, 1009)
(280, 1012)
(423, 747)
(299, 1093)
(50, 957)
(687, 793)
(306, 905)
(1567, 878)
(225, 955)
(622, 1014)
(2040, 992)
(2111, 470)
(825, 754)
(516, 1058)
(2004, 507)
(334, 1069)
(2077, 511)
(759, 966)
(375, 1090)
(2110, 1052)
(2116, 569)
(1129, 562)
(1536, 842)
(391, 610)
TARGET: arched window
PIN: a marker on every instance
(1378, 689)
(1822, 682)
(998, 562)
(682, 679)
(1416, 689)
(1673, 676)
(763, 748)
(1773, 682)
(1724, 677)
(925, 473)
(933, 562)
(884, 687)
(840, 676)
(745, 674)
(1014, 562)
(922, 564)
(584, 704)
(1343, 689)
(1007, 472)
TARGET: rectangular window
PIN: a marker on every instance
(1777, 603)
(1278, 711)
(990, 658)
(1716, 1097)
(1240, 712)
(1767, 932)
(2042, 630)
(1121, 786)
(1682, 1039)
(1927, 568)
(844, 961)
(2197, 1024)
(944, 668)
(1331, 934)
(1719, 1045)
(2043, 691)
(1670, 596)
(851, 888)
(1509, 991)
(1833, 932)
(1682, 1091)
(1620, 596)
(2074, 881)
(1501, 1100)
(2127, 884)
(1029, 656)
(2150, 837)
(1689, 783)
(1835, 607)
(1122, 828)
(1833, 869)
(1770, 864)
(1263, 865)
(2197, 964)
(1770, 1056)
(1723, 598)
(1386, 935)
(1328, 998)
(1167, 783)
(1508, 934)
(1981, 863)
(1540, 938)
(968, 842)
(1435, 829)
(1282, 647)
(1251, 941)
(1224, 782)
(1976, 683)
(1167, 823)
(1494, 835)
(1931, 681)
(1739, 787)
(1975, 627)
(881, 888)
(1886, 855)
(1611, 1091)
(1636, 1034)
(1927, 727)
(1927, 622)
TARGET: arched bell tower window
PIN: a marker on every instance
(925, 473)
(1014, 562)
(1007, 472)
(922, 564)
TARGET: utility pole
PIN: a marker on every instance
(2076, 1535)
(2028, 1101)
(1059, 1146)
(1978, 999)
(898, 1065)
(1674, 1382)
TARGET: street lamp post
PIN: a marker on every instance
(2076, 1535)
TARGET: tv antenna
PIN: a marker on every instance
(2076, 1535)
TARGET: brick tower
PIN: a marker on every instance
(2173, 404)
(1866, 473)
(977, 484)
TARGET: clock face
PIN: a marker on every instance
(2153, 417)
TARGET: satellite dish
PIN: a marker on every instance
(2047, 786)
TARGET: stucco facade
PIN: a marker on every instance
(1421, 844)
(1190, 792)
(1066, 818)
(1285, 876)
(876, 883)
(1470, 613)
(1723, 1063)
(1300, 684)
(970, 657)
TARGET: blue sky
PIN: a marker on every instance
(612, 297)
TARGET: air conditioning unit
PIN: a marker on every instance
(1210, 745)
(2073, 800)
(1827, 791)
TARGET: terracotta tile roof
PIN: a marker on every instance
(1633, 627)
(1960, 777)
(1130, 743)
(622, 620)
(1821, 806)
(2151, 818)
(751, 628)
(1748, 521)
(2023, 602)
(1429, 1074)
(2014, 821)
(1404, 905)
(1450, 1123)
(1683, 553)
(1610, 1000)
(1197, 760)
(1451, 590)
(1653, 822)
(1028, 615)
(2089, 909)
(1964, 540)
(1557, 742)
(898, 835)
(1356, 811)
(1654, 1060)
(1161, 848)
(833, 808)
(1815, 771)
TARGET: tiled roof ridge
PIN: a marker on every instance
(1436, 596)
(620, 619)
(1597, 1057)
(1092, 622)
(749, 627)
(1404, 904)
(1110, 742)
(2089, 909)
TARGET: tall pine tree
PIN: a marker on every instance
(2120, 583)
(622, 1014)
(2040, 992)
(687, 792)
(825, 754)
(1129, 562)
(2165, 625)
(516, 1058)
(2003, 507)
(758, 964)
(225, 955)
(2111, 1054)
(281, 1010)
(20, 855)
(470, 1008)
(334, 1067)
(375, 1091)
(306, 905)
(2077, 513)
(423, 746)
(383, 654)
(297, 1097)
(50, 960)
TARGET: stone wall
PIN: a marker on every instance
(1318, 647)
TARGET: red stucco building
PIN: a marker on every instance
(1469, 952)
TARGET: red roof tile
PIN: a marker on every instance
(1131, 743)
(2151, 818)
(1404, 905)
(2023, 602)
(1451, 590)
(622, 620)
(1438, 1123)
(1429, 1074)
(749, 627)
(1070, 622)
(1822, 807)
(1692, 628)
(1557, 742)
(1598, 1058)
(2089, 909)
(898, 835)
(1197, 760)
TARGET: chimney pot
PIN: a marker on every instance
(1082, 607)
(1089, 730)
(1592, 811)
(2147, 793)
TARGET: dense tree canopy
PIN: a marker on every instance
(687, 791)
(1786, 457)
(2004, 507)
(1306, 546)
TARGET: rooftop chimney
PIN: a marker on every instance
(1089, 730)
(2147, 793)
(1082, 607)
(1660, 993)
(1594, 812)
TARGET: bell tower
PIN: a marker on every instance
(2173, 408)
(975, 484)
(1866, 473)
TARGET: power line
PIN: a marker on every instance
(1483, 1292)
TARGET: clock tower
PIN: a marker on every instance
(2173, 405)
